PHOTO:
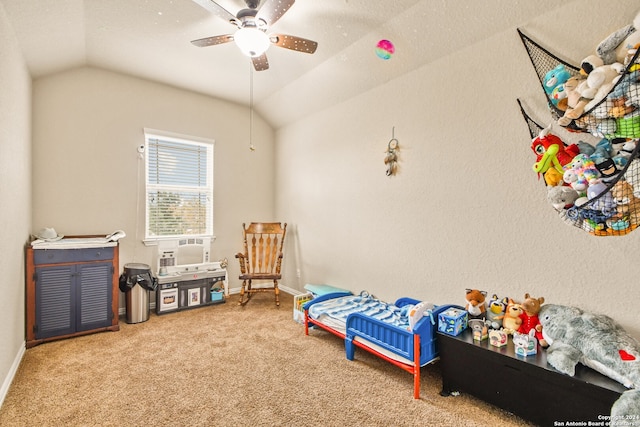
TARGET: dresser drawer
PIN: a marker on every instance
(56, 256)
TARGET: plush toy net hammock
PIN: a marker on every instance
(606, 104)
(595, 187)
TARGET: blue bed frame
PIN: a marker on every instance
(418, 347)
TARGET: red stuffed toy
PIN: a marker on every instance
(551, 152)
(529, 317)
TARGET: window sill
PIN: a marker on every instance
(154, 241)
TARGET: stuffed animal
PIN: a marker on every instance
(562, 197)
(588, 93)
(575, 336)
(621, 151)
(551, 152)
(475, 303)
(625, 148)
(530, 321)
(628, 126)
(495, 310)
(625, 97)
(616, 46)
(600, 79)
(628, 205)
(573, 100)
(559, 98)
(576, 103)
(608, 168)
(604, 203)
(601, 151)
(512, 320)
(553, 83)
(553, 178)
(580, 172)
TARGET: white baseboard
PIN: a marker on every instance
(12, 373)
(281, 287)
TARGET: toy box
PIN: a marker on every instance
(525, 344)
(217, 295)
(498, 338)
(298, 302)
(480, 329)
(452, 321)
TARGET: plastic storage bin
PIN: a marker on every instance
(298, 302)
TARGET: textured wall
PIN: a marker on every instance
(465, 210)
(88, 124)
(15, 197)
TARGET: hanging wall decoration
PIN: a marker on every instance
(593, 186)
(391, 157)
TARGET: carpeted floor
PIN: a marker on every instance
(226, 365)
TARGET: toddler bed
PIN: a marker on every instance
(402, 333)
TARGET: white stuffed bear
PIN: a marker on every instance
(600, 80)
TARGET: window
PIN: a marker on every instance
(179, 186)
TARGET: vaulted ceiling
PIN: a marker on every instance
(151, 39)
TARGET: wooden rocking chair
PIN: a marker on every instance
(262, 257)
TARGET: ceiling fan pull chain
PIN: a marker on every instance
(251, 147)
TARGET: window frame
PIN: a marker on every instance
(170, 137)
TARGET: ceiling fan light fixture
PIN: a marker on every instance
(251, 41)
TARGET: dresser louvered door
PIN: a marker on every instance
(55, 302)
(93, 296)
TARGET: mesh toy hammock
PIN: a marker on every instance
(610, 208)
(611, 110)
(610, 204)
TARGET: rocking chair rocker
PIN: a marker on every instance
(262, 258)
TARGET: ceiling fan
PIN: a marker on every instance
(253, 23)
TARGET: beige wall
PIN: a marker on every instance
(88, 124)
(15, 198)
(466, 209)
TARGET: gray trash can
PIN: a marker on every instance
(136, 281)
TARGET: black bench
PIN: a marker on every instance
(526, 386)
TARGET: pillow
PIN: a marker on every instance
(417, 313)
(320, 290)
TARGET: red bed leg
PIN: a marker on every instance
(416, 366)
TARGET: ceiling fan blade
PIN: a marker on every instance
(272, 10)
(211, 41)
(216, 9)
(294, 43)
(260, 63)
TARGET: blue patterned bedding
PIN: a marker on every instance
(402, 333)
(334, 312)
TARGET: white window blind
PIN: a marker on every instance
(179, 187)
